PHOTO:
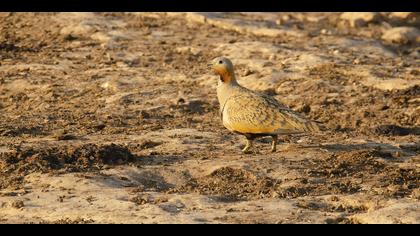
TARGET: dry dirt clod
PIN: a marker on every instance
(17, 204)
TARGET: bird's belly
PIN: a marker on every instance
(245, 127)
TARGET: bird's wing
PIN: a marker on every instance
(250, 112)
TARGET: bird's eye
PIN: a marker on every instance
(220, 62)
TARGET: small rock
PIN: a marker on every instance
(63, 135)
(99, 126)
(413, 100)
(144, 115)
(403, 64)
(366, 114)
(70, 37)
(180, 101)
(272, 57)
(359, 19)
(285, 18)
(168, 59)
(384, 107)
(334, 199)
(247, 72)
(179, 204)
(416, 194)
(270, 91)
(402, 35)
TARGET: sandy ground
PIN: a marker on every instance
(113, 118)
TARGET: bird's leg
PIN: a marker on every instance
(273, 143)
(248, 146)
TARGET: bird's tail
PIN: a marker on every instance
(303, 124)
(313, 126)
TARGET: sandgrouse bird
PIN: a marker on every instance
(253, 114)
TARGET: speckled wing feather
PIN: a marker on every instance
(250, 112)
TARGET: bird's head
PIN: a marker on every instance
(223, 67)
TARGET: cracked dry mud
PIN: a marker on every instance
(113, 118)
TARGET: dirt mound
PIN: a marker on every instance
(230, 184)
(382, 177)
(20, 162)
(354, 164)
(400, 182)
(344, 173)
(79, 158)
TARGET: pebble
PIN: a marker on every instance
(247, 72)
(272, 57)
(356, 61)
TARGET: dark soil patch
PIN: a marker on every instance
(230, 184)
(22, 161)
(395, 130)
(400, 182)
(327, 207)
(83, 157)
(354, 164)
(306, 188)
(344, 171)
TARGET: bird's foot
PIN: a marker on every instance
(247, 147)
(246, 150)
(274, 144)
